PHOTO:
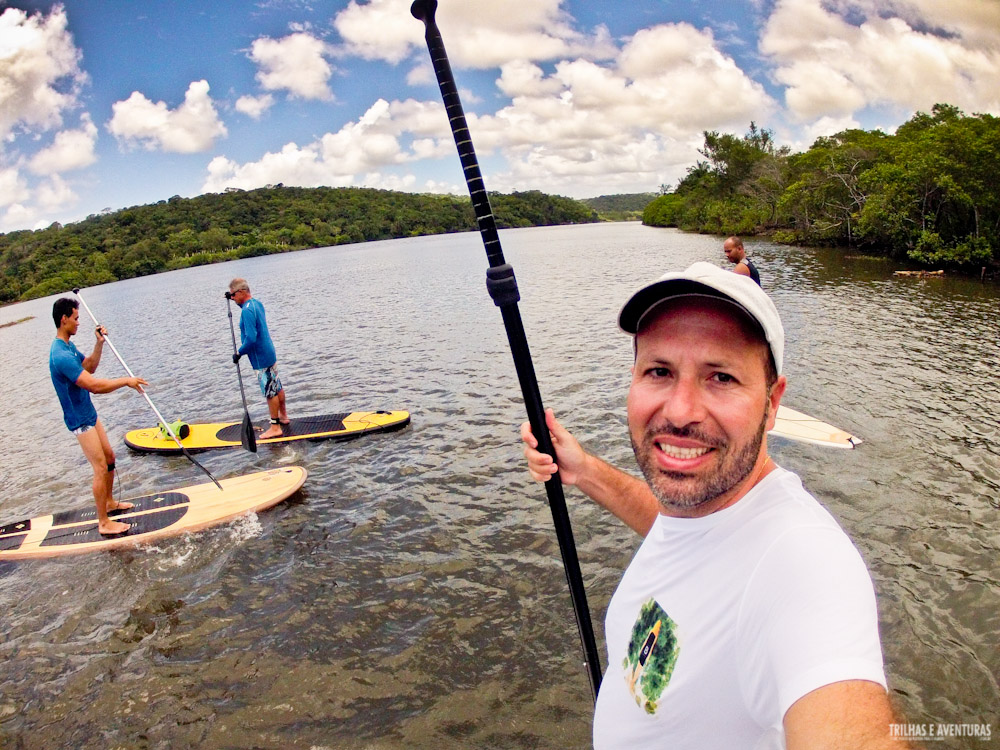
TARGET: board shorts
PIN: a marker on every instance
(268, 380)
(83, 429)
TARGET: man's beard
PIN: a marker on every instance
(696, 491)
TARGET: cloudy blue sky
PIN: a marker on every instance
(112, 103)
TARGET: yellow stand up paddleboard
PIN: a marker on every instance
(166, 513)
(203, 437)
(795, 425)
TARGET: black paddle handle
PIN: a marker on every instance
(502, 287)
(232, 330)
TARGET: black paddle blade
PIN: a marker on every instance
(247, 436)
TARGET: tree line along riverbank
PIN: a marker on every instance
(182, 232)
(928, 193)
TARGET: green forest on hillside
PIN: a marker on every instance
(182, 232)
(620, 207)
(930, 193)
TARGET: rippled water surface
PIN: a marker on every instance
(412, 595)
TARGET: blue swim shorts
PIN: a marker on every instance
(270, 385)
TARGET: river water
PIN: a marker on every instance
(412, 594)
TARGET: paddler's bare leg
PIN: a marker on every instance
(282, 412)
(275, 429)
(96, 448)
(109, 457)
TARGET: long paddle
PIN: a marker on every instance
(247, 436)
(146, 395)
(503, 289)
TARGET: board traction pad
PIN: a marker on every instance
(13, 541)
(16, 526)
(142, 524)
(147, 502)
(296, 427)
(156, 512)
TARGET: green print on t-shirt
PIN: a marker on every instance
(651, 656)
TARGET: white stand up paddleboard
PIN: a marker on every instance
(795, 425)
(154, 516)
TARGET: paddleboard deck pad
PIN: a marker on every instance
(203, 437)
(183, 509)
(795, 425)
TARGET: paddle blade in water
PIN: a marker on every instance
(247, 436)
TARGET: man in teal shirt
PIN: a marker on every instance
(74, 381)
(259, 349)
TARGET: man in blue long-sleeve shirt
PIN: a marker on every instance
(259, 349)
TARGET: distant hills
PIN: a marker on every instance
(622, 207)
(182, 232)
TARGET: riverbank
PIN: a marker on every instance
(925, 194)
(215, 228)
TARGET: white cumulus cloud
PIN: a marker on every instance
(191, 128)
(379, 30)
(803, 139)
(480, 33)
(420, 74)
(356, 154)
(402, 183)
(292, 165)
(628, 118)
(39, 70)
(434, 186)
(54, 194)
(295, 63)
(254, 107)
(628, 124)
(13, 188)
(70, 149)
(523, 78)
(976, 22)
(18, 216)
(835, 58)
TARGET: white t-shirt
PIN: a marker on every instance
(721, 623)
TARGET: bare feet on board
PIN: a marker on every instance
(113, 528)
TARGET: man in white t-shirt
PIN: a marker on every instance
(747, 618)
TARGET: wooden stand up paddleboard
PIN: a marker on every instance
(153, 517)
(795, 425)
(203, 437)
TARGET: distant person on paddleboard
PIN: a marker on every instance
(747, 619)
(736, 253)
(257, 345)
(74, 381)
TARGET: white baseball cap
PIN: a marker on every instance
(704, 279)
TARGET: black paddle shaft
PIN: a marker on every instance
(247, 436)
(502, 287)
